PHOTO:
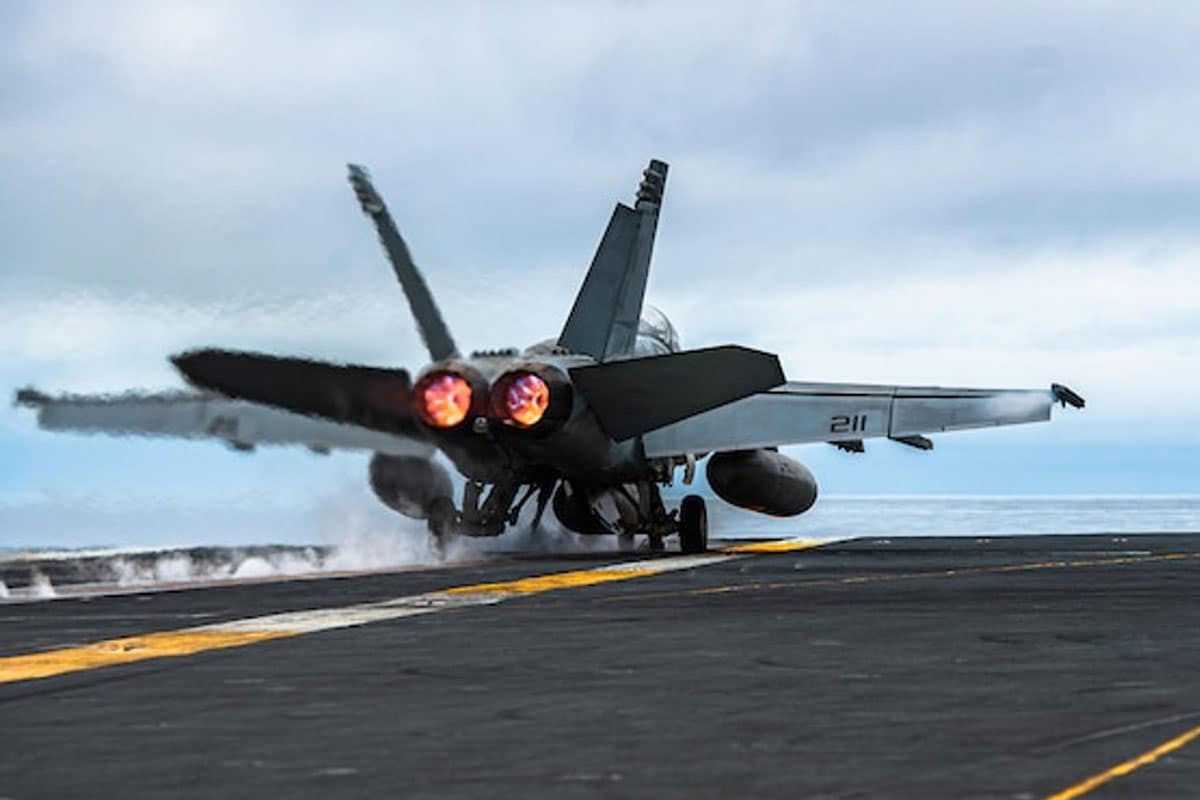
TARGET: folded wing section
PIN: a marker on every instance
(194, 415)
(798, 413)
(430, 323)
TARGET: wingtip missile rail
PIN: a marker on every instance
(1065, 396)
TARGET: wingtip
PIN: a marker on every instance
(30, 397)
(654, 181)
(1065, 396)
(364, 190)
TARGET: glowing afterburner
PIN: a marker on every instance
(521, 399)
(442, 399)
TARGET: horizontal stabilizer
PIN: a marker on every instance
(370, 397)
(634, 396)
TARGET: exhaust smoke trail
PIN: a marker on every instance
(361, 534)
(1019, 405)
(349, 530)
(40, 586)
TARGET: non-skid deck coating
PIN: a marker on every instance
(1019, 667)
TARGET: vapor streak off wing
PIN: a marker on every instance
(798, 413)
(195, 415)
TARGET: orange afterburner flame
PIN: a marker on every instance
(526, 398)
(443, 399)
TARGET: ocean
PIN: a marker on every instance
(139, 546)
(162, 523)
(841, 516)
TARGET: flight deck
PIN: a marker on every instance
(1004, 667)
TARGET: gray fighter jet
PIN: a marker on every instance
(591, 423)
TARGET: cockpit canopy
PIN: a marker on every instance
(656, 334)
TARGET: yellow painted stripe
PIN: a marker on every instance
(126, 650)
(237, 633)
(549, 583)
(779, 546)
(1126, 767)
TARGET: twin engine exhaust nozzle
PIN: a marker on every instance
(525, 398)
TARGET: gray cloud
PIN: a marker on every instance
(826, 159)
(941, 192)
(190, 149)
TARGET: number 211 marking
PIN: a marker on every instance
(843, 424)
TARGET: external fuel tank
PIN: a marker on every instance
(762, 480)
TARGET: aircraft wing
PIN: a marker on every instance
(797, 413)
(241, 424)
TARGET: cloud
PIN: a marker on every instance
(190, 144)
(948, 194)
(1116, 324)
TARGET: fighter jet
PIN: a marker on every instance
(591, 423)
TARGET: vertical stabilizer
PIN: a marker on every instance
(432, 327)
(604, 320)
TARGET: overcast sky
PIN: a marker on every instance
(914, 193)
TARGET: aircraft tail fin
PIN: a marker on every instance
(432, 327)
(604, 319)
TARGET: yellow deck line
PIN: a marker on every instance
(779, 546)
(1126, 767)
(125, 650)
(237, 633)
(549, 583)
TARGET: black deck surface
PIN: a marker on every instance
(990, 668)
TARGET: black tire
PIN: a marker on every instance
(443, 522)
(693, 525)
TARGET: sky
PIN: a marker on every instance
(935, 193)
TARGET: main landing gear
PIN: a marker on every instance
(642, 513)
(653, 521)
(693, 525)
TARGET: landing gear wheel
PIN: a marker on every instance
(693, 525)
(656, 543)
(443, 519)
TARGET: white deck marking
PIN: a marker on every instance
(237, 633)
